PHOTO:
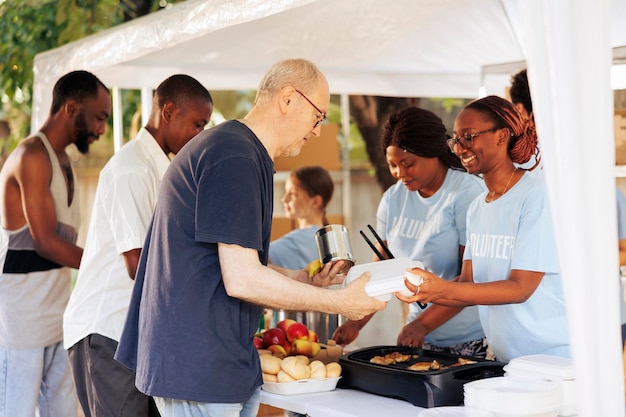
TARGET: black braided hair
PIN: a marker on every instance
(420, 132)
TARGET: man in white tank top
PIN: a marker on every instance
(39, 210)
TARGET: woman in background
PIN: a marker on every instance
(422, 217)
(308, 191)
(520, 95)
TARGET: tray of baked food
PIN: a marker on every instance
(422, 377)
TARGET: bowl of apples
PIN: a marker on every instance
(293, 360)
(290, 338)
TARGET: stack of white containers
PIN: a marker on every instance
(551, 369)
(533, 386)
(508, 397)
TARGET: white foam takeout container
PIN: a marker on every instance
(509, 397)
(548, 368)
(302, 386)
(387, 276)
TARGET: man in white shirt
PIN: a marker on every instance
(123, 207)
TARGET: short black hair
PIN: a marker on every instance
(179, 89)
(520, 91)
(75, 85)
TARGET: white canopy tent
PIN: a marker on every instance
(364, 46)
(423, 48)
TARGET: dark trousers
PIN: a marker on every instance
(105, 387)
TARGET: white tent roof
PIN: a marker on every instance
(405, 48)
(423, 48)
(395, 48)
(364, 46)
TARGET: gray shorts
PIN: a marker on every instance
(105, 387)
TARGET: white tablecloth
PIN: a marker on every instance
(341, 403)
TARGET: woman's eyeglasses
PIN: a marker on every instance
(467, 139)
(323, 115)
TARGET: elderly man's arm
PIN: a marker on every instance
(247, 279)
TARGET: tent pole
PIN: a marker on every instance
(345, 157)
(118, 122)
(146, 105)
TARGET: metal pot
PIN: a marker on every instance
(333, 244)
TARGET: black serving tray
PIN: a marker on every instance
(443, 387)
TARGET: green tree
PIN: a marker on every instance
(28, 27)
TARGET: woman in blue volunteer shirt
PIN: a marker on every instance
(422, 217)
(510, 266)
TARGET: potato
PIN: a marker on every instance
(318, 369)
(303, 359)
(295, 367)
(284, 377)
(270, 364)
(333, 370)
(269, 377)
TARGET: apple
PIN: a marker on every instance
(302, 347)
(258, 342)
(315, 348)
(297, 331)
(284, 324)
(313, 336)
(277, 350)
(273, 336)
(287, 346)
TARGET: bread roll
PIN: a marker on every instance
(303, 359)
(295, 367)
(333, 370)
(270, 364)
(269, 377)
(318, 369)
(284, 377)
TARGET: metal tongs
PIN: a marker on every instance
(385, 249)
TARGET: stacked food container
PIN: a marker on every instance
(509, 397)
(550, 369)
(533, 386)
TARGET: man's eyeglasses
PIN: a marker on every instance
(315, 107)
(467, 139)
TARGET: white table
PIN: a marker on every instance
(341, 403)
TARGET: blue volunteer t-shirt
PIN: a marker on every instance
(515, 232)
(184, 336)
(430, 230)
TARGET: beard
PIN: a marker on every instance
(82, 133)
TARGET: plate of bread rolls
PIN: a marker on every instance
(298, 374)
